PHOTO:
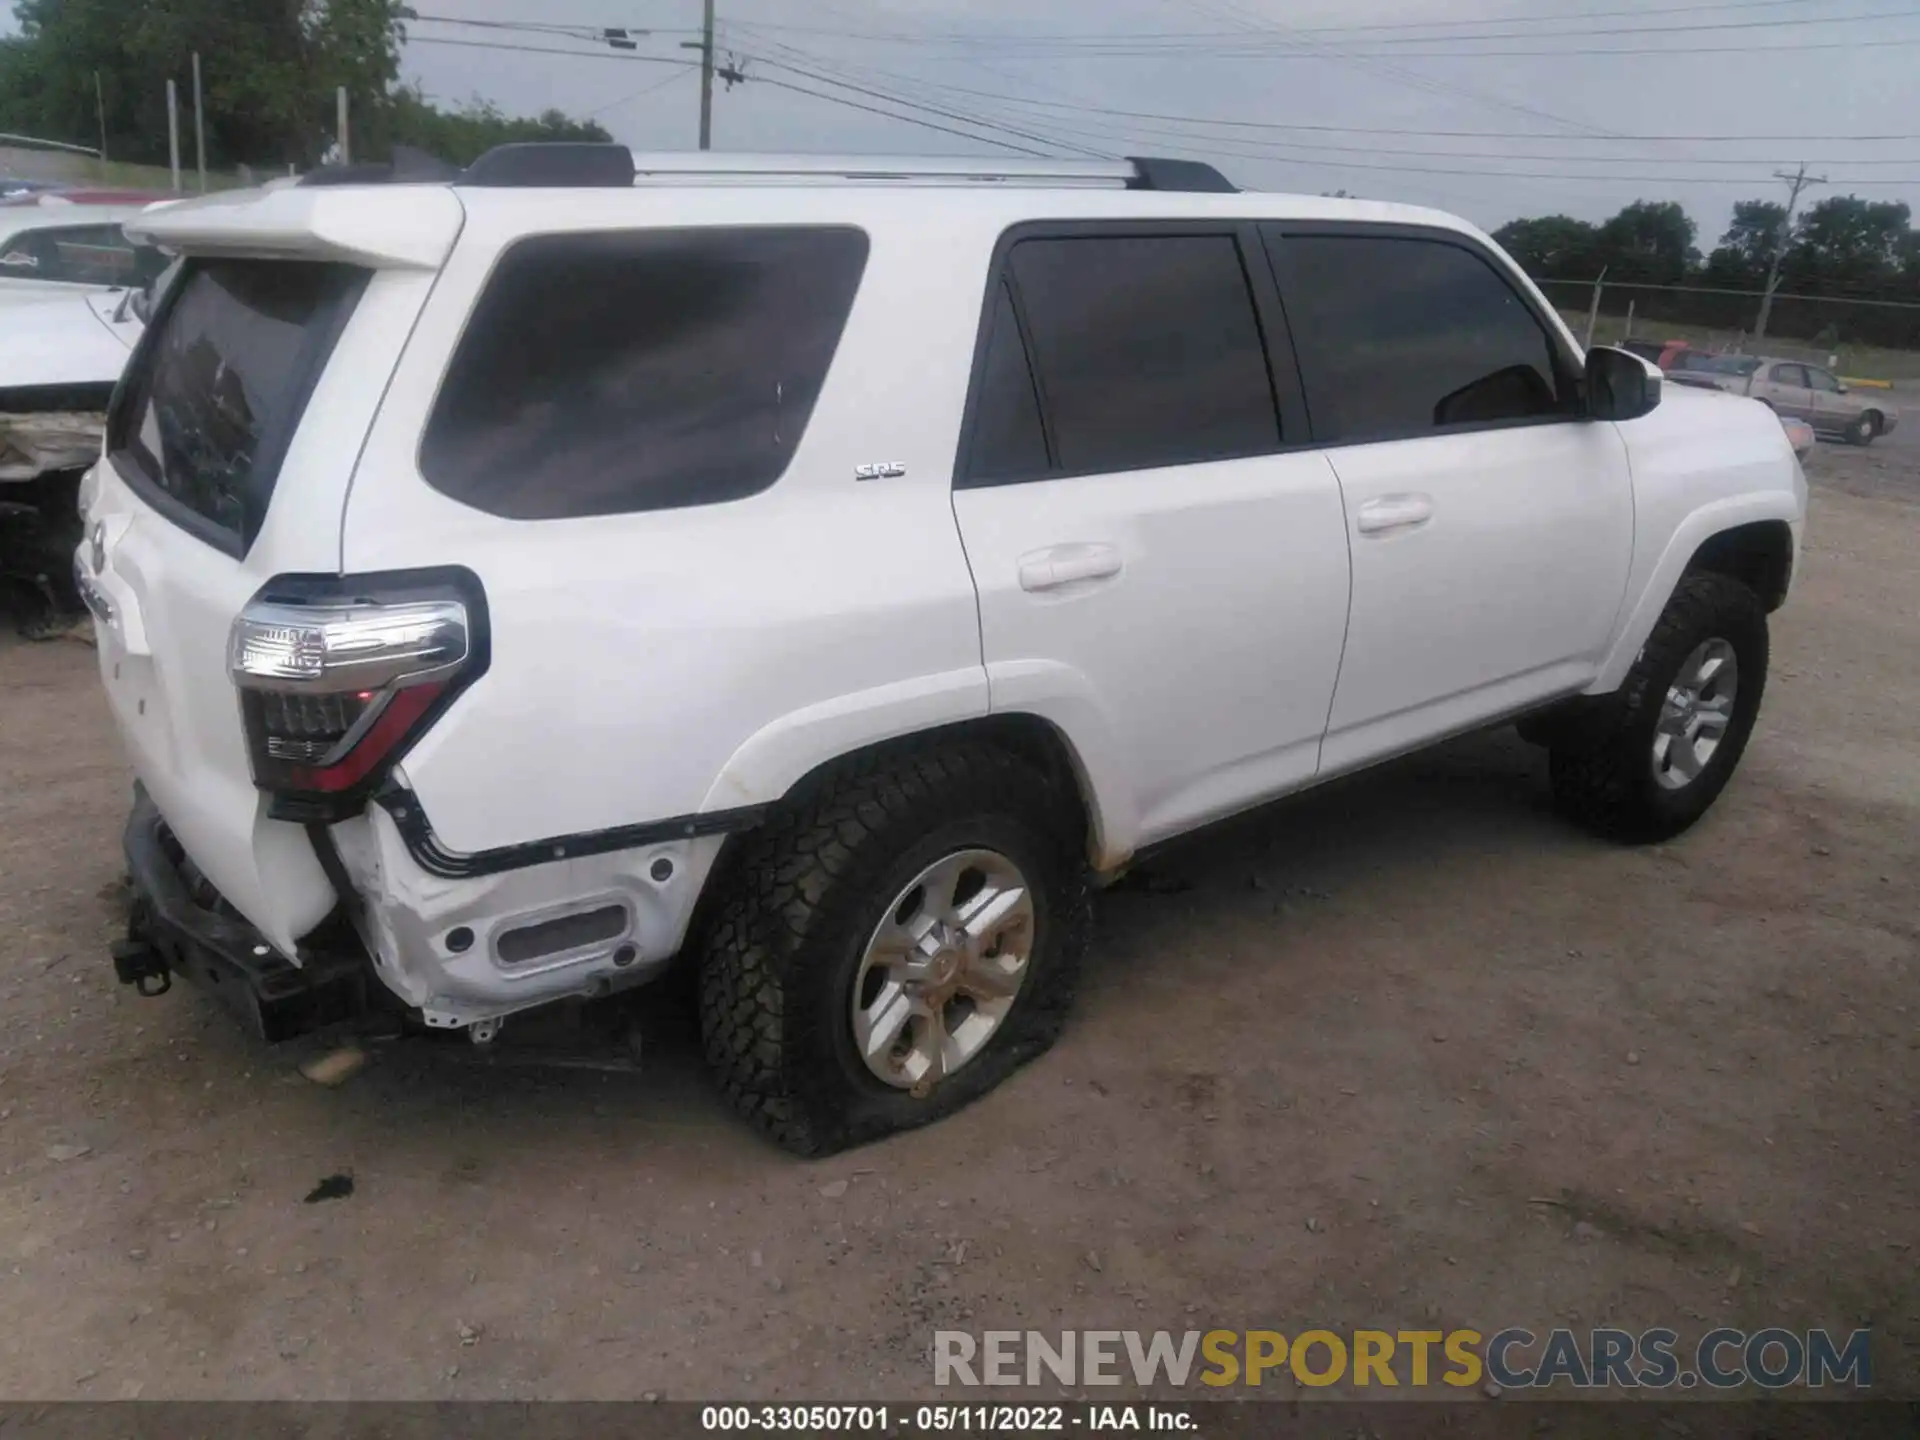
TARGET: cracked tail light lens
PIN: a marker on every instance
(337, 679)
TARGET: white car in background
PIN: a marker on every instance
(59, 362)
(52, 245)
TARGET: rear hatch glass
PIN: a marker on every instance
(216, 388)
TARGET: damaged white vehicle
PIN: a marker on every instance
(60, 358)
(827, 569)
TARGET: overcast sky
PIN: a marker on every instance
(1358, 95)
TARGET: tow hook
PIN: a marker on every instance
(138, 964)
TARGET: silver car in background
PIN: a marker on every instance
(1795, 390)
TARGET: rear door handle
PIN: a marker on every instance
(1060, 565)
(1394, 512)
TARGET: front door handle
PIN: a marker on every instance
(1394, 512)
(1060, 565)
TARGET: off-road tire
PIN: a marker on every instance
(1605, 781)
(1863, 429)
(779, 956)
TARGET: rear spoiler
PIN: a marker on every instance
(410, 227)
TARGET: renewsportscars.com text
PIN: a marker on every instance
(1514, 1359)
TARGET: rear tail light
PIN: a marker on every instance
(339, 676)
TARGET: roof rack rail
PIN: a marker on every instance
(408, 166)
(564, 164)
(1153, 173)
(558, 164)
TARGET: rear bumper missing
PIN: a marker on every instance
(180, 926)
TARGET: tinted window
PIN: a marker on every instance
(638, 370)
(1147, 349)
(1009, 442)
(1821, 380)
(220, 380)
(1794, 375)
(1401, 336)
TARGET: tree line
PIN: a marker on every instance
(269, 68)
(1840, 249)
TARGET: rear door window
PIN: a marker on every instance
(218, 383)
(604, 374)
(1794, 376)
(1403, 336)
(1147, 349)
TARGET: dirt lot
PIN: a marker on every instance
(1321, 1073)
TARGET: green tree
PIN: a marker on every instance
(460, 136)
(1650, 241)
(1551, 247)
(269, 72)
(1849, 246)
(1747, 248)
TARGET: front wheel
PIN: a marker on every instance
(1863, 429)
(1680, 722)
(894, 947)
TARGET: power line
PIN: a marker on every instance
(1275, 151)
(862, 79)
(1410, 78)
(623, 56)
(694, 65)
(639, 94)
(1374, 130)
(843, 81)
(1157, 36)
(875, 110)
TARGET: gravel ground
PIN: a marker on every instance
(1322, 1069)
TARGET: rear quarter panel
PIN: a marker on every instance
(653, 665)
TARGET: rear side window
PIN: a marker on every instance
(218, 384)
(1147, 352)
(1794, 375)
(1404, 336)
(609, 373)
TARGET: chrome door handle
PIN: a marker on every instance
(1394, 512)
(1060, 565)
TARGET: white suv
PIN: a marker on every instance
(827, 570)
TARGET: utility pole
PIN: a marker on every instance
(199, 125)
(706, 75)
(340, 124)
(173, 132)
(1796, 182)
(100, 109)
(1593, 314)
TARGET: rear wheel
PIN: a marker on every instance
(1863, 429)
(894, 947)
(1680, 721)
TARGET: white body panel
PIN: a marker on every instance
(1190, 632)
(1702, 462)
(72, 339)
(164, 655)
(1204, 661)
(1487, 571)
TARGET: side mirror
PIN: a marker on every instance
(1620, 385)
